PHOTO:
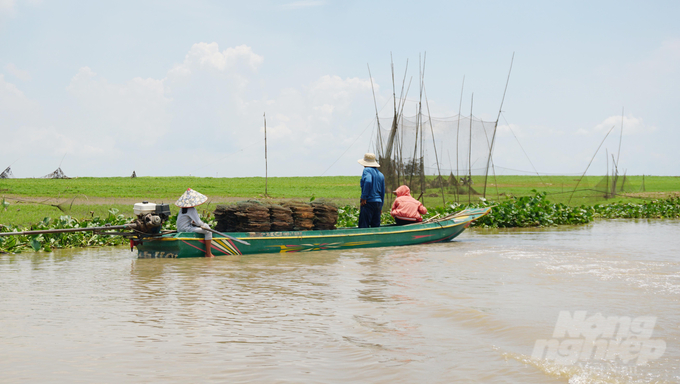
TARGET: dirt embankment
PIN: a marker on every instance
(653, 195)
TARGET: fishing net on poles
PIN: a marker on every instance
(459, 144)
(58, 174)
(7, 173)
(603, 189)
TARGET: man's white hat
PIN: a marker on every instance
(369, 161)
(191, 198)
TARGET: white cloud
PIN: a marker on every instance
(208, 56)
(137, 110)
(631, 126)
(7, 7)
(650, 81)
(18, 73)
(509, 129)
(335, 90)
(9, 90)
(15, 107)
(53, 141)
(664, 60)
(318, 121)
(208, 107)
(304, 4)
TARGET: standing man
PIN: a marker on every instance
(372, 192)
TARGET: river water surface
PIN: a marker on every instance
(467, 311)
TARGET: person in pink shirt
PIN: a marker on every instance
(406, 209)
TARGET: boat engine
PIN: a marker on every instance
(150, 217)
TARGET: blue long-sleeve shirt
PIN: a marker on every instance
(372, 185)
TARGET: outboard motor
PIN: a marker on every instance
(150, 216)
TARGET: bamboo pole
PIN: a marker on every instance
(616, 177)
(397, 112)
(266, 170)
(493, 137)
(434, 144)
(460, 105)
(469, 183)
(418, 111)
(422, 147)
(394, 90)
(620, 139)
(606, 186)
(591, 161)
(378, 145)
(400, 139)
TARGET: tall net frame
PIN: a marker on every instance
(7, 173)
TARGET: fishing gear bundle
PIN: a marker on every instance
(254, 216)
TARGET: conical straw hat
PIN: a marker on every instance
(191, 198)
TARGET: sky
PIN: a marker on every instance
(178, 88)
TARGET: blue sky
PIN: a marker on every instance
(179, 88)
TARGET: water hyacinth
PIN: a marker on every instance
(656, 209)
(348, 216)
(532, 211)
(47, 242)
(537, 211)
(525, 211)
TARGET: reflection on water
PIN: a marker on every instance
(469, 310)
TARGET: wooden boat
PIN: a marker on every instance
(189, 244)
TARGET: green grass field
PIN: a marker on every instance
(30, 200)
(173, 187)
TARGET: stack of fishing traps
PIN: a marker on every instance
(281, 218)
(303, 216)
(325, 216)
(254, 216)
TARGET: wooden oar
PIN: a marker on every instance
(221, 234)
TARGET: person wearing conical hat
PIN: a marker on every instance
(372, 192)
(188, 220)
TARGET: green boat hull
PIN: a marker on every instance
(189, 244)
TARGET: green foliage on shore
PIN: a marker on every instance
(525, 211)
(89, 190)
(531, 211)
(23, 214)
(538, 211)
(656, 209)
(47, 242)
(348, 216)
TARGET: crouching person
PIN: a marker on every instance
(406, 209)
(188, 220)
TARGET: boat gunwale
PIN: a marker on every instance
(434, 225)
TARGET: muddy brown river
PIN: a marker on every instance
(590, 304)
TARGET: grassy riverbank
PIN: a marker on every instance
(28, 201)
(343, 187)
(525, 211)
